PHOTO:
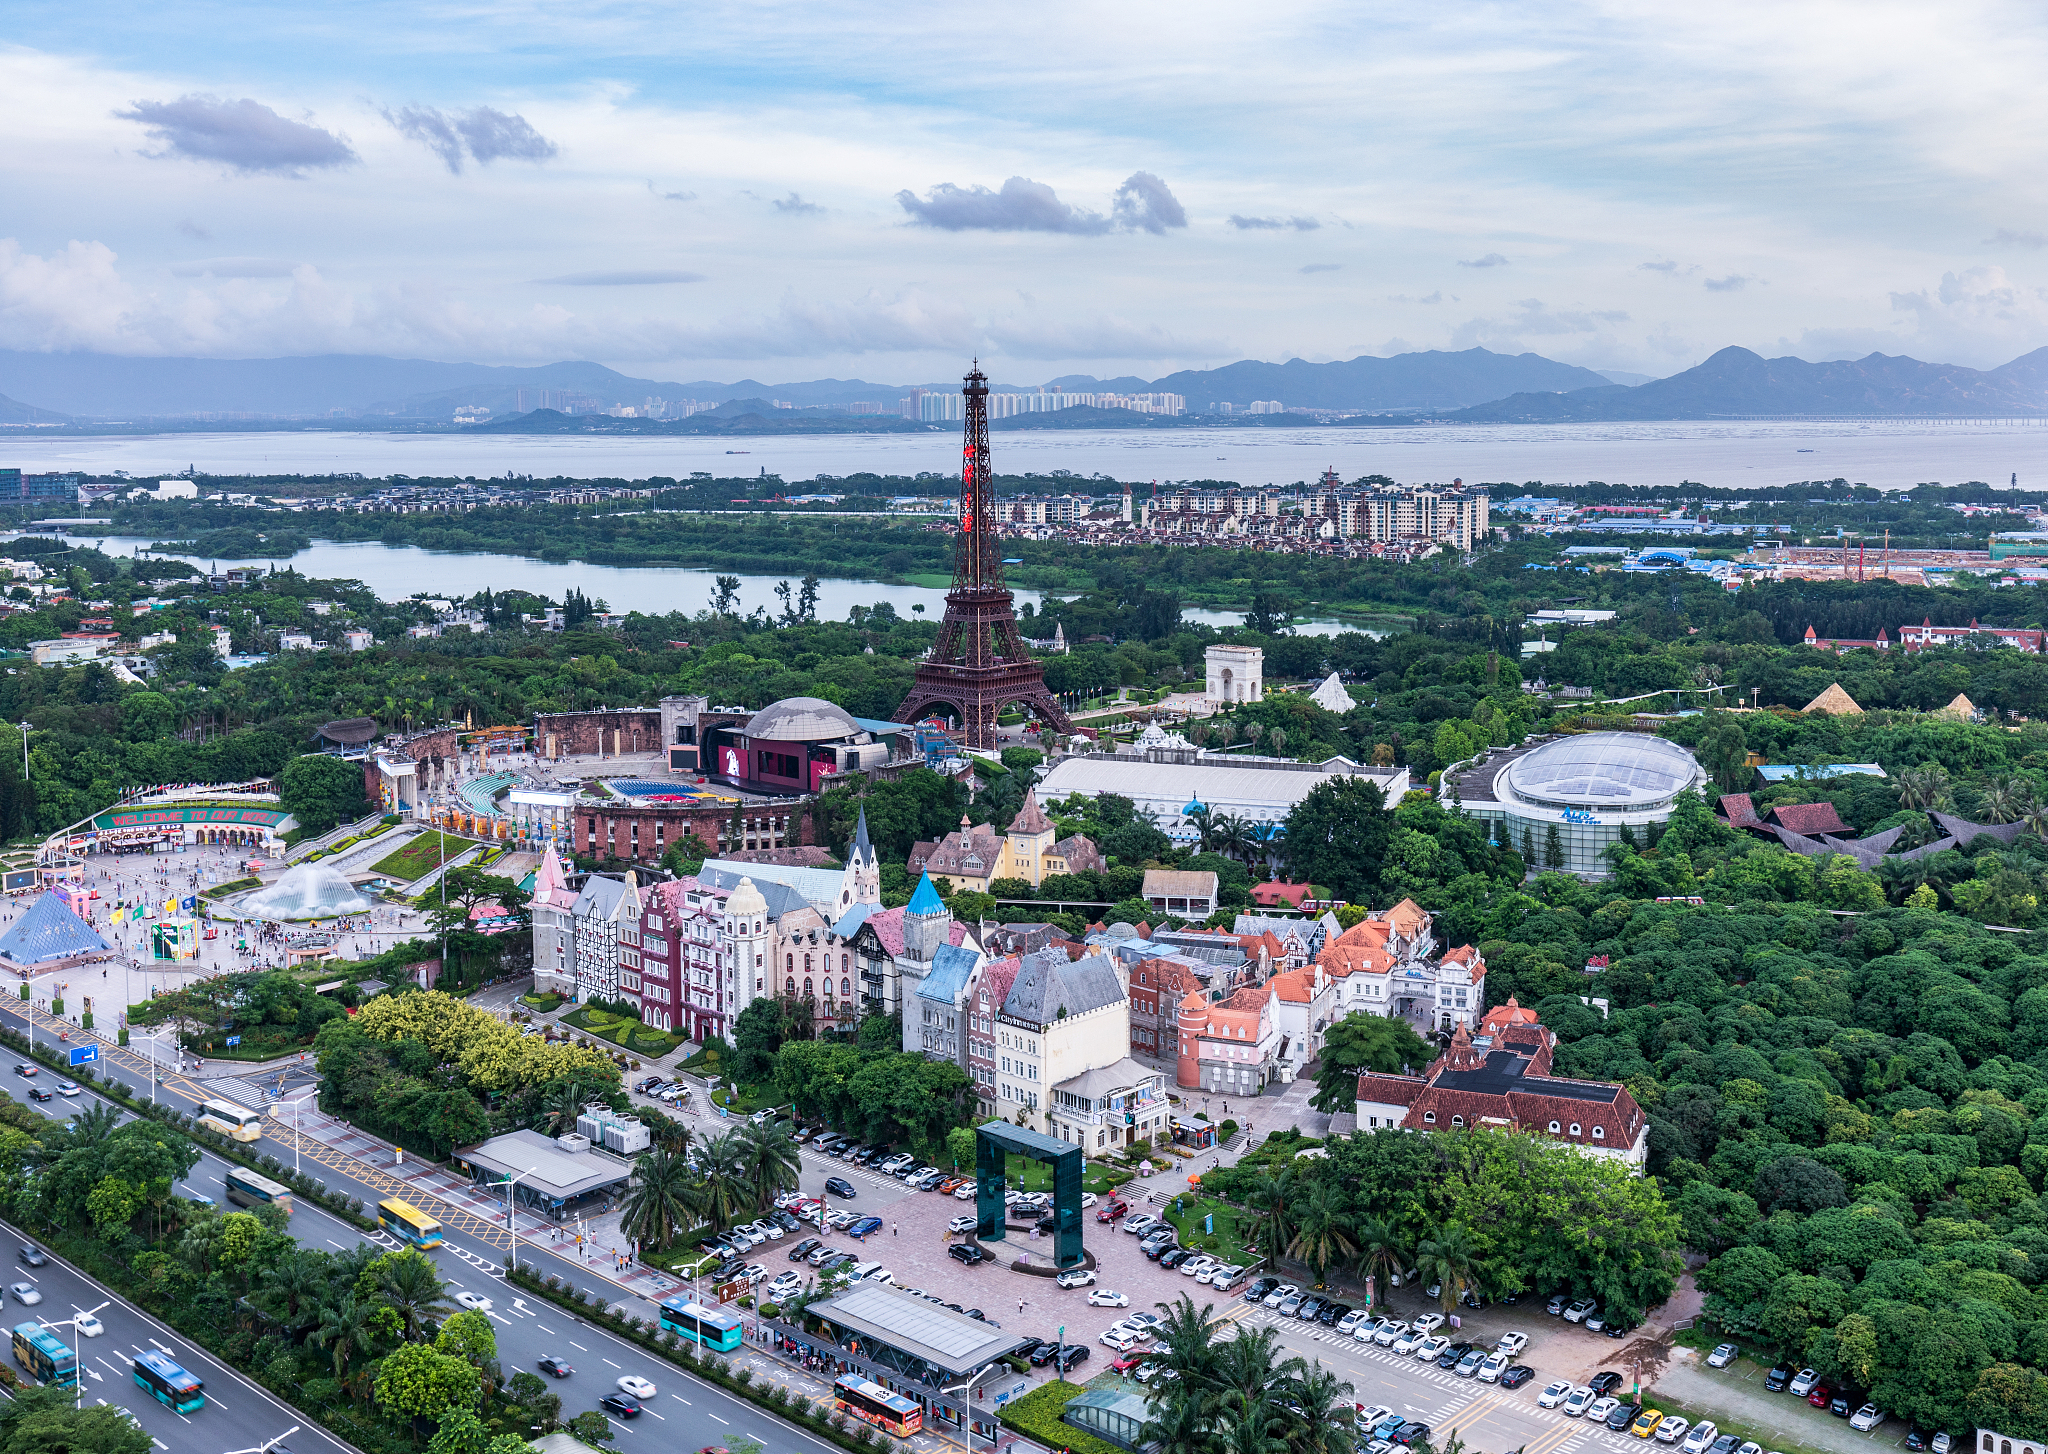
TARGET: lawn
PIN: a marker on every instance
(543, 1003)
(1028, 1175)
(626, 1033)
(1225, 1241)
(421, 856)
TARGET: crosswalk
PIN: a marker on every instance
(1468, 1402)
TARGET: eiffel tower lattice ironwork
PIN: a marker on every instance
(979, 664)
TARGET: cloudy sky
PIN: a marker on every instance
(794, 191)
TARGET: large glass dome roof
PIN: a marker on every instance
(1604, 770)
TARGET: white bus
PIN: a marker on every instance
(231, 1120)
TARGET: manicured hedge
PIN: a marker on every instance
(1038, 1414)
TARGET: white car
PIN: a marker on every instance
(1075, 1277)
(1102, 1297)
(1941, 1443)
(1408, 1342)
(1495, 1365)
(1428, 1322)
(1671, 1430)
(1704, 1433)
(960, 1224)
(1389, 1331)
(1371, 1416)
(637, 1386)
(1140, 1224)
(1600, 1408)
(1281, 1294)
(1352, 1321)
(753, 1272)
(1803, 1382)
(91, 1327)
(1576, 1401)
(1722, 1356)
(1432, 1347)
(1866, 1418)
(1554, 1394)
(1137, 1327)
(1087, 1199)
(472, 1302)
(1579, 1311)
(964, 1193)
(1195, 1266)
(1512, 1343)
(67, 1088)
(1118, 1339)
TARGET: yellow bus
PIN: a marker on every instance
(247, 1189)
(408, 1223)
(229, 1119)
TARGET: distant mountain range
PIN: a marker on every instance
(80, 392)
(1736, 383)
(362, 388)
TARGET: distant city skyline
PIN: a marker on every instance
(833, 191)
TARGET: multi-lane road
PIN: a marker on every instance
(686, 1413)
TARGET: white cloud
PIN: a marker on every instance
(1142, 204)
(1491, 260)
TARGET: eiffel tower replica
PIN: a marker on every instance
(979, 665)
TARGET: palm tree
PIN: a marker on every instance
(1248, 1365)
(1325, 1425)
(1179, 1420)
(1381, 1257)
(91, 1126)
(1253, 1429)
(560, 1105)
(349, 1327)
(1925, 786)
(721, 1194)
(291, 1292)
(2034, 813)
(1181, 1338)
(1324, 1234)
(657, 1204)
(412, 1288)
(770, 1159)
(2002, 800)
(1448, 1260)
(1271, 1200)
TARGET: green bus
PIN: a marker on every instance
(43, 1355)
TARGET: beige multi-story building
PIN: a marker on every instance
(1449, 516)
(976, 856)
(1060, 1019)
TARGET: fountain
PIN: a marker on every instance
(306, 891)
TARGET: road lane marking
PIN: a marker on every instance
(680, 1399)
(544, 1327)
(578, 1346)
(614, 1365)
(715, 1416)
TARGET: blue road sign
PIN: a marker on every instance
(234, 1040)
(84, 1054)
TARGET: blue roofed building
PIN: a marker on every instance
(50, 936)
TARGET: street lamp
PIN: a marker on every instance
(24, 749)
(72, 1323)
(511, 1217)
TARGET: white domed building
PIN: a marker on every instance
(1582, 790)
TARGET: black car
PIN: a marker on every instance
(715, 1246)
(37, 1093)
(1072, 1354)
(1726, 1444)
(1155, 1250)
(1043, 1354)
(805, 1248)
(27, 1070)
(1413, 1432)
(1623, 1416)
(556, 1367)
(624, 1405)
(1916, 1440)
(966, 1252)
(33, 1257)
(784, 1220)
(1515, 1377)
(1452, 1356)
(1025, 1349)
(839, 1186)
(1175, 1256)
(1618, 1328)
(727, 1270)
(1331, 1313)
(1845, 1403)
(1777, 1378)
(1605, 1383)
(975, 1313)
(1256, 1293)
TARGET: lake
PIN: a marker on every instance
(395, 572)
(1724, 454)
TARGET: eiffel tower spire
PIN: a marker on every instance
(979, 665)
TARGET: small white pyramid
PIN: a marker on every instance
(1331, 696)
